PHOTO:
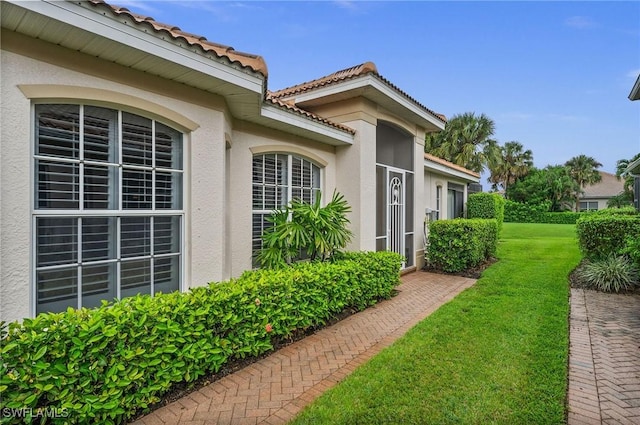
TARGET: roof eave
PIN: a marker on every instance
(443, 169)
(386, 97)
(635, 91)
(634, 168)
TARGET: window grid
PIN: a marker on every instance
(81, 271)
(277, 179)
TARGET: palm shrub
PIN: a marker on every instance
(610, 274)
(306, 229)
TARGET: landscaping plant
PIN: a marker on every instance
(613, 273)
(306, 228)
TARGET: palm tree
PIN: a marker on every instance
(583, 170)
(465, 141)
(621, 172)
(512, 164)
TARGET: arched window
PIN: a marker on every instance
(108, 211)
(277, 179)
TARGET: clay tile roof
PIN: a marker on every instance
(607, 187)
(275, 101)
(347, 74)
(450, 164)
(250, 61)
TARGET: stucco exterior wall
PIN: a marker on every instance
(204, 153)
(432, 180)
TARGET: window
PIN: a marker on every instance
(277, 179)
(107, 207)
(455, 200)
(588, 206)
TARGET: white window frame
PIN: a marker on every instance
(588, 206)
(117, 213)
(289, 184)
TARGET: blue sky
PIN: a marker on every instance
(554, 76)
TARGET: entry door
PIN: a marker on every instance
(395, 212)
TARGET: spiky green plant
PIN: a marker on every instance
(610, 274)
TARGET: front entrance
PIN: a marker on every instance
(394, 212)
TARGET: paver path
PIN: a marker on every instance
(274, 389)
(604, 358)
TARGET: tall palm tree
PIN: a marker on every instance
(513, 163)
(466, 141)
(583, 170)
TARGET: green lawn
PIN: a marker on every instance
(495, 354)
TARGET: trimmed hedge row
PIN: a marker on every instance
(104, 365)
(517, 212)
(486, 205)
(459, 244)
(600, 235)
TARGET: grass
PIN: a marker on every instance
(496, 354)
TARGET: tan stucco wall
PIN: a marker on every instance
(432, 180)
(204, 183)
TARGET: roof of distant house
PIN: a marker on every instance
(609, 186)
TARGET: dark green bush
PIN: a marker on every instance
(517, 212)
(103, 365)
(618, 211)
(602, 235)
(486, 205)
(459, 244)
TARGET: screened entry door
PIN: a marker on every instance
(394, 212)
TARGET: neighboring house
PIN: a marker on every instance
(596, 196)
(634, 167)
(138, 158)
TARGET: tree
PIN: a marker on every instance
(465, 141)
(551, 185)
(583, 170)
(512, 164)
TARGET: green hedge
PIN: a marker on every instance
(104, 365)
(518, 212)
(486, 205)
(600, 235)
(459, 244)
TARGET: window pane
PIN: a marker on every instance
(270, 169)
(58, 130)
(168, 147)
(57, 289)
(58, 185)
(100, 132)
(166, 235)
(168, 190)
(98, 241)
(136, 140)
(258, 169)
(282, 165)
(166, 274)
(136, 189)
(135, 236)
(135, 278)
(57, 241)
(296, 172)
(98, 283)
(100, 187)
(258, 193)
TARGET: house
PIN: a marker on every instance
(139, 158)
(596, 196)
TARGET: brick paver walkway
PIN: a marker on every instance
(274, 389)
(604, 361)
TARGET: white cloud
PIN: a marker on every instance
(580, 22)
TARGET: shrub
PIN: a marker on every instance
(609, 274)
(486, 205)
(603, 235)
(517, 212)
(459, 244)
(305, 228)
(632, 250)
(617, 211)
(103, 365)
